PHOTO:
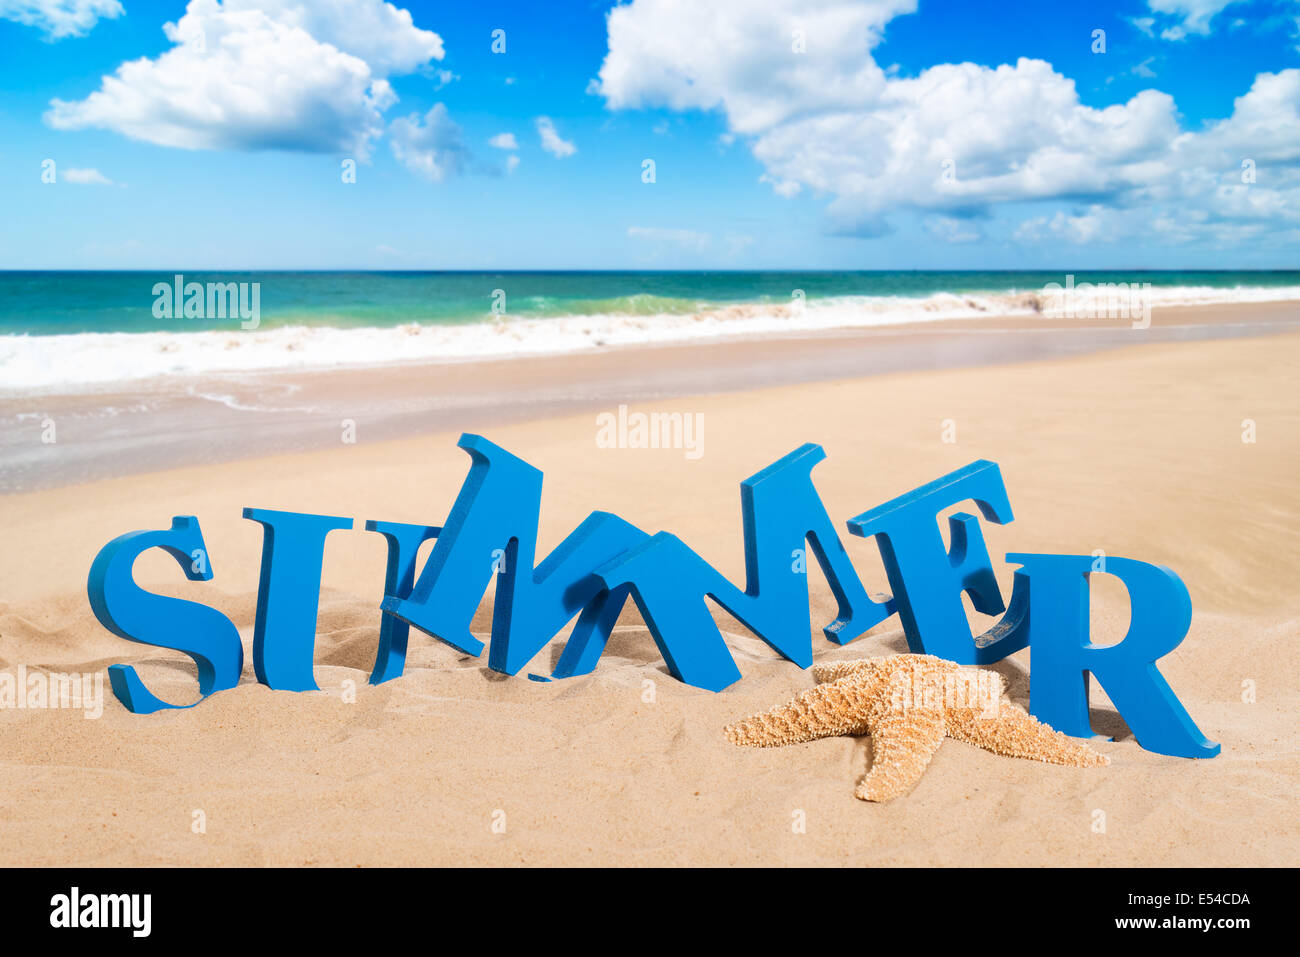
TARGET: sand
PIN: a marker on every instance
(1138, 451)
(152, 424)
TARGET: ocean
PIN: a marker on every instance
(59, 329)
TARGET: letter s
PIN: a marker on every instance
(129, 611)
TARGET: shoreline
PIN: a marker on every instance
(174, 421)
(989, 322)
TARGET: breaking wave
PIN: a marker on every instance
(33, 363)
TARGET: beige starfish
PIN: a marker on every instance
(908, 704)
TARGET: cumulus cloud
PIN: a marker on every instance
(551, 140)
(262, 74)
(434, 148)
(60, 18)
(740, 57)
(796, 80)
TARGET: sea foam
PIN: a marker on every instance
(99, 360)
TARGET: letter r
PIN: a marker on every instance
(1062, 653)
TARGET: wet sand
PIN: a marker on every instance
(175, 421)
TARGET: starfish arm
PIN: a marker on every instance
(835, 670)
(902, 743)
(838, 707)
(1008, 729)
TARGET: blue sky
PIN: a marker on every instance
(822, 134)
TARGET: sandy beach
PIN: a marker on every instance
(1137, 450)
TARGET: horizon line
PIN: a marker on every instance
(697, 270)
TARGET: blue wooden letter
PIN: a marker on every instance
(668, 582)
(493, 528)
(1062, 653)
(288, 593)
(404, 543)
(125, 609)
(928, 581)
(781, 512)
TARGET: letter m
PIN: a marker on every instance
(782, 513)
(493, 528)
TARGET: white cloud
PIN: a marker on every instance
(738, 56)
(1194, 15)
(382, 35)
(271, 75)
(960, 137)
(512, 163)
(681, 237)
(60, 18)
(504, 141)
(1144, 70)
(1197, 17)
(1265, 123)
(86, 177)
(957, 141)
(551, 140)
(434, 148)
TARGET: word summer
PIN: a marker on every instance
(491, 533)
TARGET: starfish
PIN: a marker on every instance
(908, 704)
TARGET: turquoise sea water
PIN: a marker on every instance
(62, 330)
(62, 303)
